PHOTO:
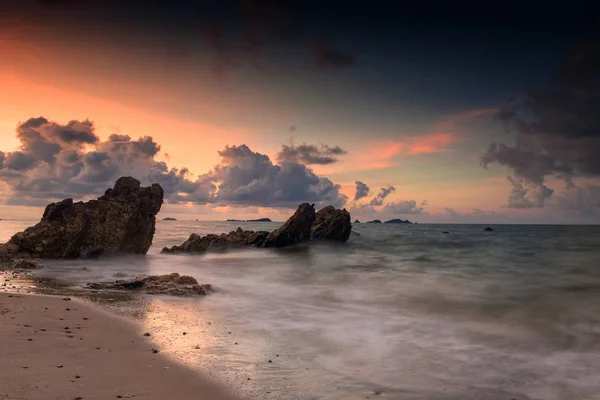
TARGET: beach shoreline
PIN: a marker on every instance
(55, 348)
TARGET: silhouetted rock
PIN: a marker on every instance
(488, 229)
(296, 229)
(357, 222)
(169, 219)
(397, 221)
(331, 224)
(375, 221)
(234, 239)
(172, 284)
(120, 222)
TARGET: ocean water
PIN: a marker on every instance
(400, 311)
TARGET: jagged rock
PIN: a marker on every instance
(26, 264)
(331, 224)
(234, 239)
(172, 284)
(357, 222)
(296, 229)
(122, 221)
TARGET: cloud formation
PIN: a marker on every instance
(380, 197)
(557, 130)
(310, 154)
(402, 207)
(362, 190)
(57, 161)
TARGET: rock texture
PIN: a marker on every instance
(234, 239)
(122, 221)
(297, 228)
(331, 224)
(172, 284)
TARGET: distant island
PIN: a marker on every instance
(397, 221)
(250, 220)
(169, 219)
(357, 222)
(391, 221)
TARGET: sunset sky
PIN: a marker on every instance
(245, 109)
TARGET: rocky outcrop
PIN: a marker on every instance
(328, 224)
(488, 229)
(215, 243)
(357, 222)
(331, 224)
(122, 221)
(172, 284)
(397, 221)
(297, 228)
(375, 221)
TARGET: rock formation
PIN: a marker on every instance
(172, 284)
(357, 222)
(375, 221)
(122, 221)
(331, 224)
(328, 224)
(488, 229)
(297, 228)
(234, 239)
(397, 221)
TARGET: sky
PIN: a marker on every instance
(247, 108)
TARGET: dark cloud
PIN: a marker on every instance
(383, 193)
(310, 154)
(250, 178)
(527, 194)
(402, 207)
(557, 130)
(53, 162)
(362, 190)
(325, 56)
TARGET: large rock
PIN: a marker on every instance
(331, 224)
(172, 284)
(215, 243)
(296, 229)
(120, 222)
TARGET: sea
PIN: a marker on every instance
(400, 311)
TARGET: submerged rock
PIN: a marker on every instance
(172, 284)
(488, 229)
(297, 228)
(22, 263)
(331, 224)
(234, 239)
(122, 221)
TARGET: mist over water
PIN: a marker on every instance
(401, 309)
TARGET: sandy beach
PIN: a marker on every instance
(53, 348)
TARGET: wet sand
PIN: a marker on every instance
(54, 348)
